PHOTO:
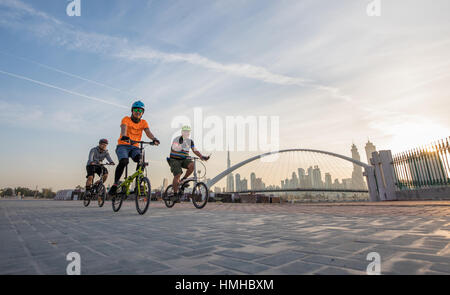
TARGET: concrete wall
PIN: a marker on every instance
(436, 193)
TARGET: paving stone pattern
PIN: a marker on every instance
(325, 239)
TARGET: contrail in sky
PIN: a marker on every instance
(62, 89)
(66, 73)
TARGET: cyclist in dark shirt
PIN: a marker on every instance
(96, 156)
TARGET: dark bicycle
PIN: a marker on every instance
(190, 190)
(97, 191)
(142, 189)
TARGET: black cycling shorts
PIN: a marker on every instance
(91, 169)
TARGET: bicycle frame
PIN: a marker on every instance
(129, 179)
(100, 181)
(195, 176)
(93, 192)
(192, 194)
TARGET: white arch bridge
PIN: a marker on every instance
(369, 173)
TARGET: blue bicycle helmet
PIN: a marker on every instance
(138, 104)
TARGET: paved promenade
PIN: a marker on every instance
(326, 238)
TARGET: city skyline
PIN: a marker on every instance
(309, 178)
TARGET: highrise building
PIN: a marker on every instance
(370, 148)
(308, 181)
(294, 180)
(237, 183)
(357, 174)
(347, 183)
(301, 177)
(336, 184)
(244, 184)
(317, 177)
(309, 178)
(230, 178)
(252, 180)
(328, 183)
(259, 185)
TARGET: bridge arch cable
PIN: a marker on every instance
(277, 173)
(297, 164)
(290, 160)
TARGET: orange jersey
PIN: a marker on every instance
(134, 130)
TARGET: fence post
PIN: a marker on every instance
(375, 161)
(369, 173)
(388, 174)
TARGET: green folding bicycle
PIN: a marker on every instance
(142, 189)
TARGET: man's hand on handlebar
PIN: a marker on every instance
(130, 141)
(205, 158)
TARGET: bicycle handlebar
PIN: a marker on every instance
(141, 142)
(196, 158)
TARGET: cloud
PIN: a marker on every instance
(8, 113)
(72, 38)
(22, 7)
(63, 120)
(241, 70)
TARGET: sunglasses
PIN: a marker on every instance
(138, 110)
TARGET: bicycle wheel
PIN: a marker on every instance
(101, 194)
(200, 195)
(168, 194)
(143, 194)
(187, 188)
(87, 199)
(117, 199)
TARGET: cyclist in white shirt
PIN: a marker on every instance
(179, 157)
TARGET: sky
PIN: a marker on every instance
(332, 75)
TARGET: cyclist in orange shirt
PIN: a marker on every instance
(130, 128)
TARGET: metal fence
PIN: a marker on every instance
(423, 167)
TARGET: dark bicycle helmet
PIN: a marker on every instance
(103, 140)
